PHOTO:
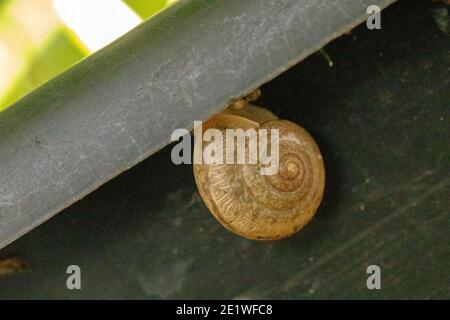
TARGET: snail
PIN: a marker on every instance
(256, 206)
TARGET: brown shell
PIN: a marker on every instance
(261, 207)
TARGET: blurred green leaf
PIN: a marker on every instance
(61, 51)
(3, 3)
(145, 8)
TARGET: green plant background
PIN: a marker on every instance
(58, 51)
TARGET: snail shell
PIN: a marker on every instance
(264, 207)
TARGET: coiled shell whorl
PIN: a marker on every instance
(264, 207)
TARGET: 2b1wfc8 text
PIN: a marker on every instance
(226, 309)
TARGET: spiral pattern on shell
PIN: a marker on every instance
(265, 207)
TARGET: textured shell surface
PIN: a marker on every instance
(265, 207)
